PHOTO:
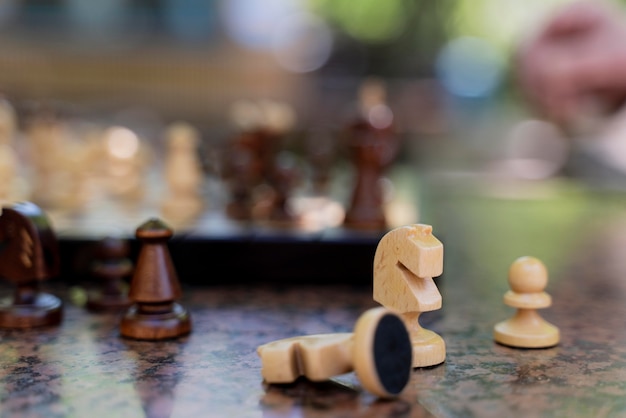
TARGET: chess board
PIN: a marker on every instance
(214, 249)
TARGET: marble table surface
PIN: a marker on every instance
(84, 369)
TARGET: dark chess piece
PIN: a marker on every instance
(373, 149)
(282, 181)
(320, 152)
(28, 255)
(154, 289)
(112, 265)
(248, 164)
(373, 144)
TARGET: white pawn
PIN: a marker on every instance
(183, 173)
(48, 141)
(124, 165)
(9, 164)
(528, 278)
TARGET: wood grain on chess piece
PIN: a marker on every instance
(155, 314)
(28, 255)
(528, 278)
(406, 260)
(379, 351)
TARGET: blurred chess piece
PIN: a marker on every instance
(247, 166)
(373, 146)
(183, 174)
(154, 289)
(252, 169)
(112, 264)
(406, 260)
(28, 255)
(320, 150)
(274, 204)
(10, 183)
(528, 279)
(47, 135)
(125, 164)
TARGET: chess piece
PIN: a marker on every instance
(125, 164)
(183, 173)
(112, 265)
(406, 260)
(373, 146)
(379, 351)
(154, 289)
(320, 150)
(48, 142)
(528, 278)
(28, 255)
(249, 163)
(258, 189)
(9, 163)
(282, 180)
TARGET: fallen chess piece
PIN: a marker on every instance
(406, 260)
(528, 278)
(379, 351)
(28, 255)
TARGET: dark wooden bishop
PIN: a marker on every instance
(154, 289)
(28, 255)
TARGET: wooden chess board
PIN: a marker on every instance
(213, 248)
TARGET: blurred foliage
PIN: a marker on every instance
(403, 37)
(400, 37)
(502, 22)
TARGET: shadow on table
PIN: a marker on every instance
(304, 398)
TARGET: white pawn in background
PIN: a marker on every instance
(47, 139)
(12, 186)
(183, 174)
(125, 165)
(528, 278)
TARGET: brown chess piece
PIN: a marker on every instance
(112, 265)
(282, 180)
(373, 145)
(28, 255)
(249, 163)
(154, 289)
(372, 150)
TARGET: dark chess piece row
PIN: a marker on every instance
(29, 255)
(253, 162)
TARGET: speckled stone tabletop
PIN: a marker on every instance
(84, 369)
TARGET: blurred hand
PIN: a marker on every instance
(577, 62)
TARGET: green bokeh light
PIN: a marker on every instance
(370, 21)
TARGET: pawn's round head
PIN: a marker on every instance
(528, 275)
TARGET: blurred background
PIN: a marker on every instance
(96, 87)
(190, 59)
(144, 64)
